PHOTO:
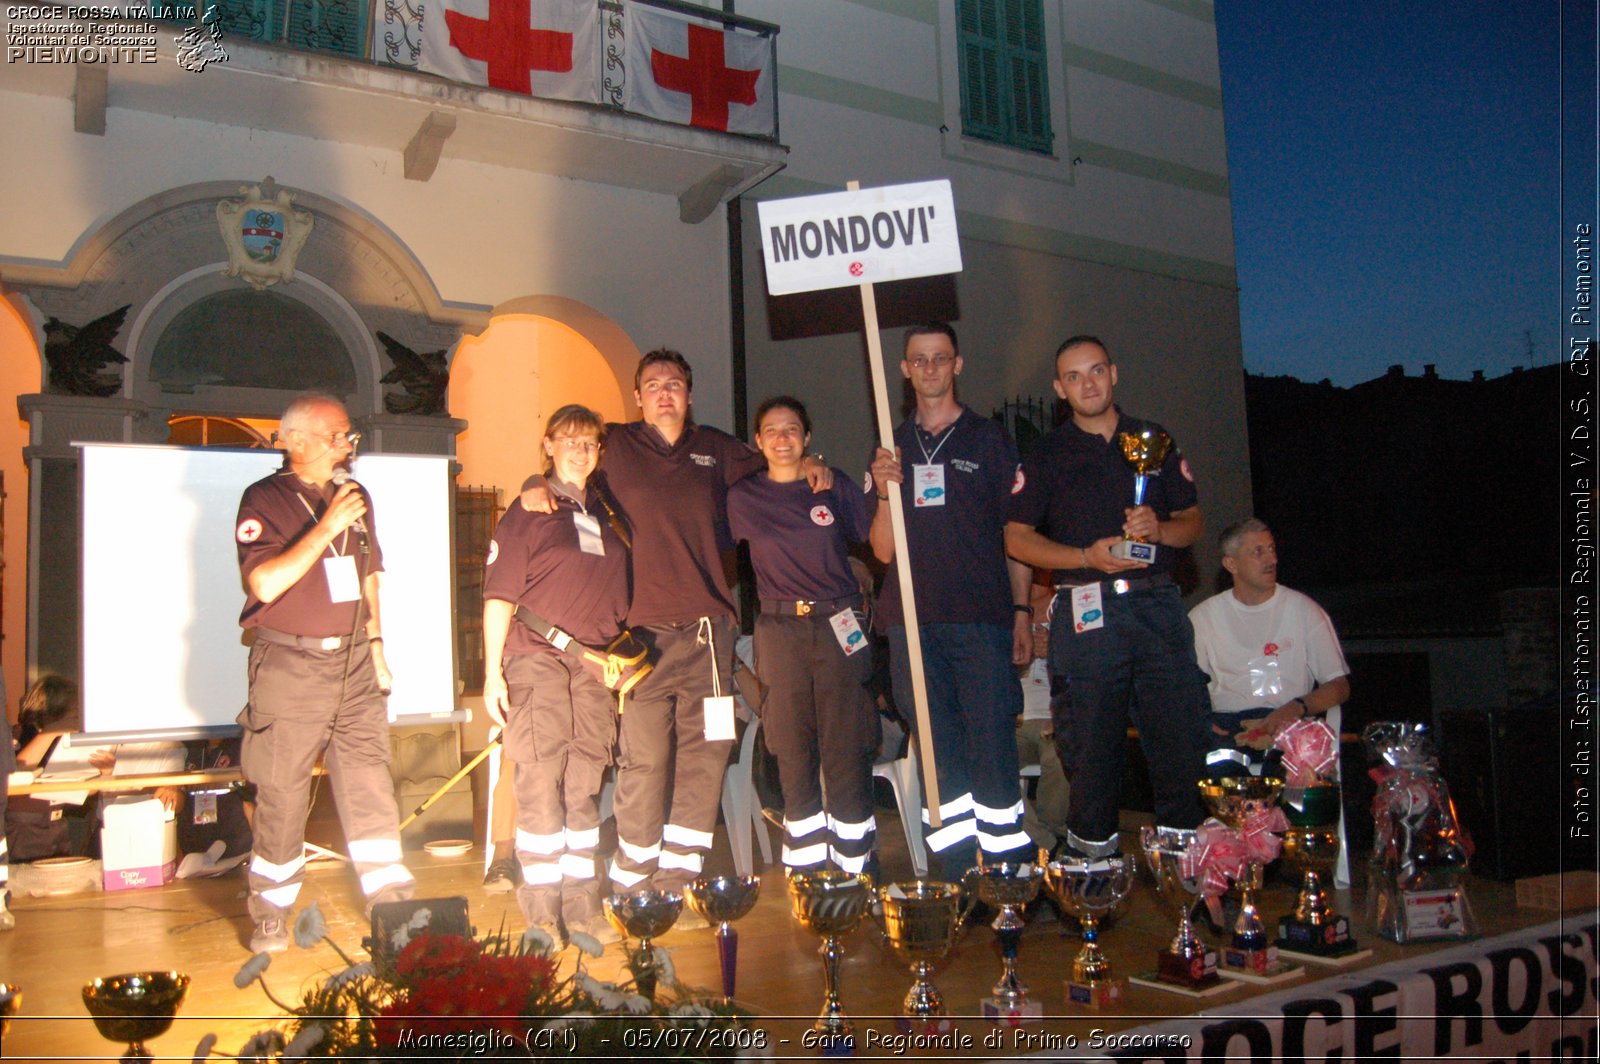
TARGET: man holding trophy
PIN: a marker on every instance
(1106, 501)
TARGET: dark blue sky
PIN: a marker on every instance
(1395, 193)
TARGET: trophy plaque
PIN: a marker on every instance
(1089, 888)
(1188, 962)
(1145, 451)
(1008, 887)
(920, 920)
(722, 900)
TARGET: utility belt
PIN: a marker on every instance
(619, 667)
(808, 607)
(307, 642)
(1122, 585)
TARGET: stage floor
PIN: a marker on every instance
(199, 926)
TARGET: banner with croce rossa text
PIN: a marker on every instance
(1526, 995)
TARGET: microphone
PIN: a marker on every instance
(341, 477)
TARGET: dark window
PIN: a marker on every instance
(1005, 91)
(320, 25)
(477, 510)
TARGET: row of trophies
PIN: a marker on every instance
(921, 920)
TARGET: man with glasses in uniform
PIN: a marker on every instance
(309, 557)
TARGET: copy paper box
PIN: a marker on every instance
(138, 843)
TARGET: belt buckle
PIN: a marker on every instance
(331, 642)
(802, 609)
(1121, 586)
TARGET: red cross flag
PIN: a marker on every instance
(546, 48)
(685, 71)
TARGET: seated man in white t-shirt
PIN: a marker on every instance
(1271, 653)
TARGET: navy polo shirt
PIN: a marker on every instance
(1077, 485)
(798, 538)
(958, 552)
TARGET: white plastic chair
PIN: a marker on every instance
(1341, 871)
(903, 776)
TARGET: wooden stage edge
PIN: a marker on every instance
(199, 926)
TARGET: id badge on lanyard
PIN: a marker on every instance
(343, 584)
(927, 484)
(847, 630)
(589, 540)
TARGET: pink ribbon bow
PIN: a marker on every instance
(1310, 751)
(1261, 831)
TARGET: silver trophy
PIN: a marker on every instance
(644, 915)
(1090, 888)
(722, 900)
(1187, 962)
(1008, 887)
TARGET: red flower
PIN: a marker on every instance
(432, 955)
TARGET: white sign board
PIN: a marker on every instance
(840, 239)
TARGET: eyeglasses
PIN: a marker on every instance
(574, 443)
(937, 361)
(334, 439)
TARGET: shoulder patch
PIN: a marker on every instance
(494, 552)
(249, 530)
(1183, 467)
(1019, 481)
(866, 482)
(821, 515)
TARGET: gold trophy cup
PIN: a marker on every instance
(1233, 800)
(920, 920)
(1008, 887)
(722, 900)
(1089, 888)
(10, 1002)
(1187, 962)
(644, 915)
(131, 1008)
(830, 903)
(1145, 451)
(1313, 929)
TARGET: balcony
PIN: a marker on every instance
(305, 68)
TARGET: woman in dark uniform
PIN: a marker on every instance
(550, 577)
(812, 649)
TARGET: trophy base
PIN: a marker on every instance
(833, 1043)
(1154, 982)
(1328, 939)
(1254, 961)
(1193, 972)
(923, 1025)
(1098, 995)
(1131, 550)
(1012, 1013)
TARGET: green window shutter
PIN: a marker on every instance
(256, 20)
(1005, 93)
(328, 25)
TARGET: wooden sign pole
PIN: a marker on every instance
(902, 553)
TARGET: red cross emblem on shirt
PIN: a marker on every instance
(511, 48)
(706, 77)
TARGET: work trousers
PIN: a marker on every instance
(8, 765)
(823, 729)
(669, 776)
(303, 706)
(559, 733)
(1138, 666)
(973, 703)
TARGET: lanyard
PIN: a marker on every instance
(344, 537)
(943, 439)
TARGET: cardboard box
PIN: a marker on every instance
(138, 843)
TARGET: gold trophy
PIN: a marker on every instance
(921, 919)
(831, 903)
(1145, 451)
(1233, 800)
(131, 1008)
(722, 900)
(644, 915)
(1187, 962)
(1313, 931)
(1008, 887)
(1090, 888)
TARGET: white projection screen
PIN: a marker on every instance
(162, 651)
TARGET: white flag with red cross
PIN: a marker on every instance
(545, 48)
(699, 73)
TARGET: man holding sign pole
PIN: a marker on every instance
(956, 470)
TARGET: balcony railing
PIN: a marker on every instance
(389, 33)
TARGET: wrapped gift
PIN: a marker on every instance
(1419, 852)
